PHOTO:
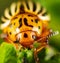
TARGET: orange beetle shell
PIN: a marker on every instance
(28, 23)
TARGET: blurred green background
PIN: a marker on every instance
(53, 8)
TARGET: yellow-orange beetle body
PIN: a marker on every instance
(27, 23)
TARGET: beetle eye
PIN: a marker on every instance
(34, 37)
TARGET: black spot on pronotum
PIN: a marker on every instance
(25, 35)
(34, 6)
(10, 33)
(40, 10)
(14, 23)
(39, 27)
(32, 20)
(20, 22)
(25, 22)
(36, 20)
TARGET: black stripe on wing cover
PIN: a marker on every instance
(41, 9)
(27, 5)
(44, 14)
(22, 9)
(34, 6)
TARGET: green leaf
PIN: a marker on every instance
(36, 44)
(7, 53)
(29, 56)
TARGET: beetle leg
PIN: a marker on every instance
(36, 56)
(43, 45)
(35, 53)
(44, 40)
(10, 41)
